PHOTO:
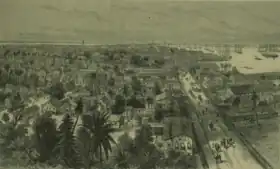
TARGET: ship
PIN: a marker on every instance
(269, 50)
(238, 48)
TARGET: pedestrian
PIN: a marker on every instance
(224, 143)
(230, 142)
(217, 147)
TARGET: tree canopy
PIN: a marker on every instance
(57, 90)
(119, 106)
(45, 134)
(66, 147)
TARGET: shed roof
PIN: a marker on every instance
(241, 89)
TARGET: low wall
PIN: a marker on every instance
(253, 151)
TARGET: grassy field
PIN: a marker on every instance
(124, 21)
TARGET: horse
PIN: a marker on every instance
(218, 158)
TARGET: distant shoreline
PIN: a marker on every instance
(88, 43)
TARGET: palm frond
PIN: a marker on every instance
(66, 147)
(100, 130)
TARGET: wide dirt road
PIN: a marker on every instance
(234, 158)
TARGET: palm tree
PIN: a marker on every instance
(176, 70)
(254, 99)
(122, 159)
(125, 142)
(84, 147)
(66, 146)
(99, 129)
(45, 137)
(126, 91)
(125, 95)
(78, 112)
(143, 137)
(170, 130)
(173, 107)
(157, 88)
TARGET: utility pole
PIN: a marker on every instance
(254, 99)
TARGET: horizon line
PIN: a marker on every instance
(76, 43)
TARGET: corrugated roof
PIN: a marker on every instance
(249, 111)
(276, 98)
(241, 89)
(265, 88)
(180, 126)
(161, 96)
(224, 94)
(209, 65)
(151, 72)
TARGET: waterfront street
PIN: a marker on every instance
(235, 157)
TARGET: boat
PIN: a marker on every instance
(257, 58)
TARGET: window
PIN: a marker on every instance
(176, 146)
(183, 147)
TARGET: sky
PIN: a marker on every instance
(124, 21)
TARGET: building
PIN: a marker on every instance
(276, 103)
(66, 105)
(240, 79)
(266, 90)
(79, 79)
(149, 72)
(115, 120)
(208, 66)
(177, 93)
(213, 82)
(157, 129)
(172, 84)
(225, 66)
(246, 114)
(243, 89)
(210, 57)
(149, 86)
(242, 95)
(119, 81)
(48, 107)
(177, 126)
(221, 96)
(128, 113)
(263, 76)
(262, 89)
(163, 99)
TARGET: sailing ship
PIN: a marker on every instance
(238, 48)
(269, 50)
